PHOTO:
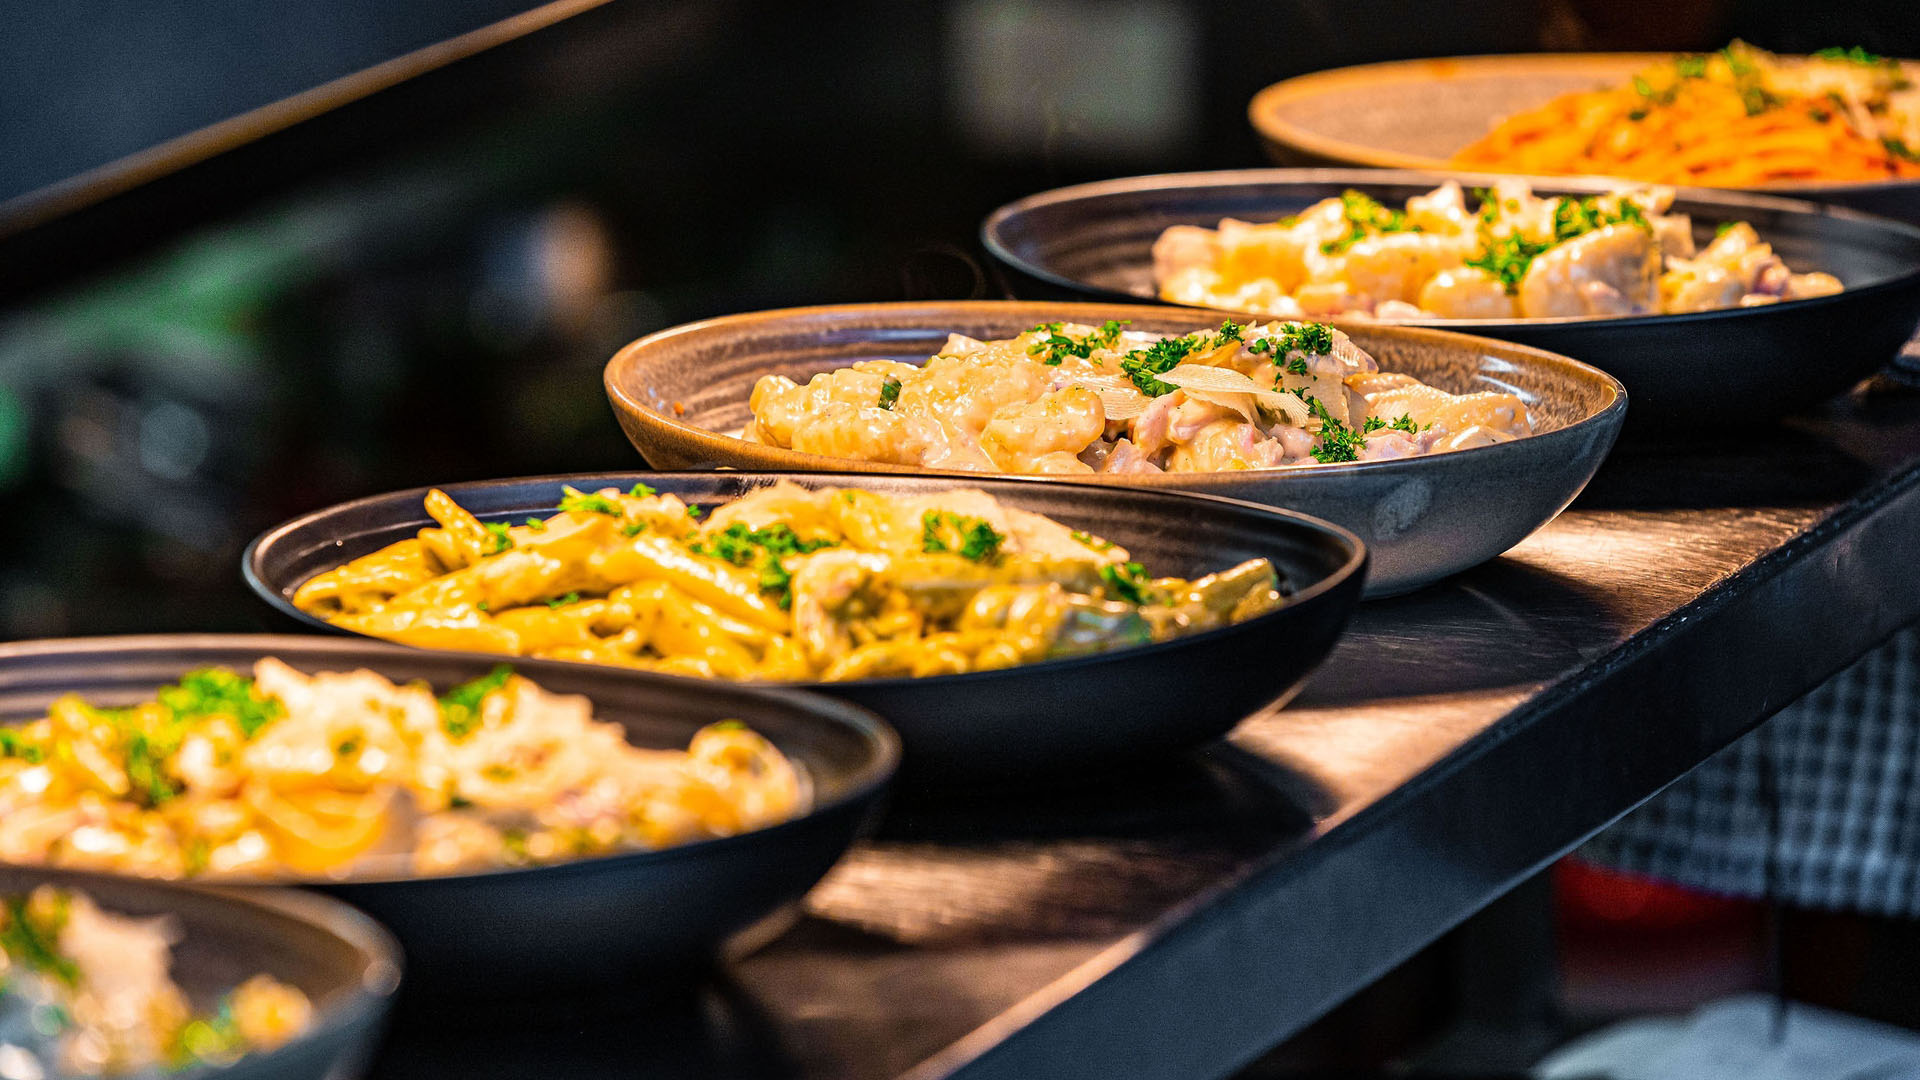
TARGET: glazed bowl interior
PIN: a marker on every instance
(679, 393)
(1048, 718)
(584, 921)
(346, 965)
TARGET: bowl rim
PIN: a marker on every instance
(1355, 563)
(994, 227)
(360, 1001)
(874, 773)
(718, 448)
(1263, 116)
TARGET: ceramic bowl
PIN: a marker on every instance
(679, 392)
(347, 967)
(645, 915)
(1730, 366)
(1047, 719)
(1416, 114)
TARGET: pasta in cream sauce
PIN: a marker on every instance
(783, 583)
(1065, 398)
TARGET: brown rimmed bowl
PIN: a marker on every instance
(1416, 114)
(678, 392)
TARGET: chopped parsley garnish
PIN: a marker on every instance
(1141, 365)
(1365, 217)
(1855, 55)
(30, 935)
(1406, 424)
(1091, 540)
(763, 549)
(15, 745)
(694, 512)
(1057, 345)
(1509, 257)
(1337, 442)
(536, 525)
(579, 502)
(1899, 148)
(633, 528)
(460, 706)
(641, 491)
(562, 601)
(219, 692)
(1691, 67)
(1128, 582)
(497, 538)
(970, 538)
(145, 760)
(214, 1040)
(1309, 339)
(1724, 228)
(889, 392)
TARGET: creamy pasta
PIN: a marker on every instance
(784, 583)
(314, 775)
(1517, 255)
(85, 992)
(1065, 398)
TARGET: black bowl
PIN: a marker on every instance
(347, 966)
(590, 921)
(1062, 716)
(1095, 241)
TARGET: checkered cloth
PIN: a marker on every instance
(1822, 802)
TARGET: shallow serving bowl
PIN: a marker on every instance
(635, 916)
(1416, 114)
(347, 966)
(1095, 241)
(676, 392)
(1061, 716)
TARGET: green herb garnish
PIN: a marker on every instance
(562, 601)
(30, 936)
(1057, 345)
(889, 392)
(1092, 541)
(641, 491)
(969, 537)
(763, 549)
(1365, 217)
(460, 706)
(1128, 582)
(579, 502)
(13, 744)
(497, 538)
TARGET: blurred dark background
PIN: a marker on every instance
(420, 284)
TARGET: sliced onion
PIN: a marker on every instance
(1119, 404)
(1240, 403)
(1198, 379)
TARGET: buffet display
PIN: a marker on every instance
(1090, 608)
